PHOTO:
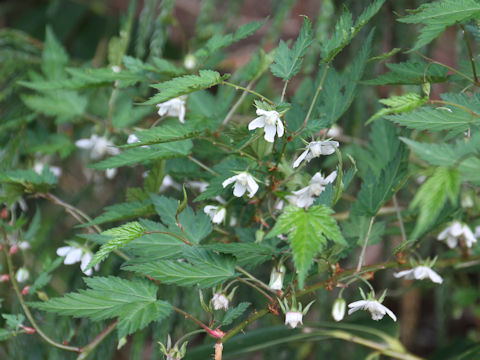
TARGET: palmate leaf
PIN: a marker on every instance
(432, 195)
(399, 104)
(465, 156)
(139, 155)
(308, 231)
(202, 267)
(411, 73)
(185, 85)
(287, 62)
(119, 237)
(438, 15)
(234, 312)
(134, 303)
(196, 226)
(345, 30)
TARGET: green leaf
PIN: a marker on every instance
(399, 104)
(139, 155)
(247, 254)
(29, 180)
(45, 276)
(411, 73)
(155, 177)
(345, 30)
(436, 119)
(134, 303)
(357, 227)
(203, 268)
(307, 231)
(432, 195)
(185, 85)
(287, 62)
(234, 312)
(124, 211)
(163, 134)
(6, 334)
(120, 236)
(14, 320)
(54, 57)
(438, 15)
(195, 226)
(464, 155)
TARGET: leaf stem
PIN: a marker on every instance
(470, 54)
(447, 67)
(238, 87)
(202, 165)
(284, 90)
(314, 100)
(256, 288)
(250, 276)
(364, 246)
(171, 234)
(24, 306)
(237, 104)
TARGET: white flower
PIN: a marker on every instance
(24, 245)
(110, 173)
(334, 131)
(420, 273)
(116, 69)
(338, 309)
(477, 231)
(132, 139)
(452, 232)
(243, 182)
(22, 275)
(216, 213)
(200, 186)
(38, 168)
(270, 121)
(190, 62)
(74, 254)
(220, 301)
(305, 197)
(293, 318)
(98, 146)
(276, 278)
(316, 149)
(174, 107)
(377, 310)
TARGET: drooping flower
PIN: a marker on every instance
(454, 231)
(420, 273)
(243, 182)
(220, 301)
(98, 146)
(174, 107)
(305, 197)
(276, 277)
(316, 149)
(374, 306)
(293, 318)
(271, 123)
(338, 309)
(216, 213)
(77, 253)
(22, 275)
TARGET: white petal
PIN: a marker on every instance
(452, 241)
(403, 273)
(456, 229)
(229, 181)
(358, 304)
(420, 272)
(443, 235)
(84, 144)
(434, 276)
(219, 216)
(73, 257)
(64, 250)
(86, 258)
(469, 237)
(390, 313)
(270, 131)
(262, 112)
(300, 158)
(256, 123)
(239, 189)
(181, 115)
(280, 129)
(110, 173)
(252, 186)
(331, 178)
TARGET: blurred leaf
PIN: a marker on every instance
(399, 104)
(411, 73)
(54, 57)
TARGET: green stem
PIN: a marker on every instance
(314, 100)
(399, 217)
(237, 104)
(284, 90)
(250, 276)
(455, 105)
(86, 350)
(202, 165)
(256, 288)
(238, 87)
(257, 315)
(447, 67)
(364, 246)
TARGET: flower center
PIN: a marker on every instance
(271, 119)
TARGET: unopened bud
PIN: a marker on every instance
(29, 330)
(338, 309)
(4, 278)
(13, 249)
(25, 290)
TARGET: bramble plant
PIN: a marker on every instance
(235, 197)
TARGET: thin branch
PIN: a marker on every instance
(284, 90)
(86, 350)
(364, 246)
(314, 100)
(202, 165)
(237, 103)
(238, 87)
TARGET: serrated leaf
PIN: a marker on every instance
(202, 267)
(54, 56)
(120, 236)
(287, 62)
(196, 226)
(399, 104)
(234, 312)
(308, 231)
(30, 180)
(139, 155)
(438, 15)
(124, 211)
(345, 30)
(133, 302)
(185, 85)
(14, 320)
(432, 195)
(163, 134)
(247, 254)
(357, 227)
(411, 73)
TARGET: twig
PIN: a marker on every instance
(284, 90)
(202, 165)
(314, 100)
(86, 350)
(238, 87)
(237, 104)
(364, 246)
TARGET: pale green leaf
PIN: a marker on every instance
(399, 104)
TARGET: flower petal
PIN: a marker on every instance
(270, 131)
(228, 181)
(300, 158)
(239, 189)
(84, 144)
(73, 257)
(252, 186)
(434, 276)
(280, 129)
(257, 123)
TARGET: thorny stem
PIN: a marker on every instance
(237, 103)
(470, 54)
(400, 219)
(314, 100)
(238, 87)
(24, 306)
(364, 246)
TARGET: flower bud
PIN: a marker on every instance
(220, 301)
(293, 318)
(190, 62)
(13, 249)
(4, 278)
(25, 290)
(338, 309)
(276, 278)
(22, 275)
